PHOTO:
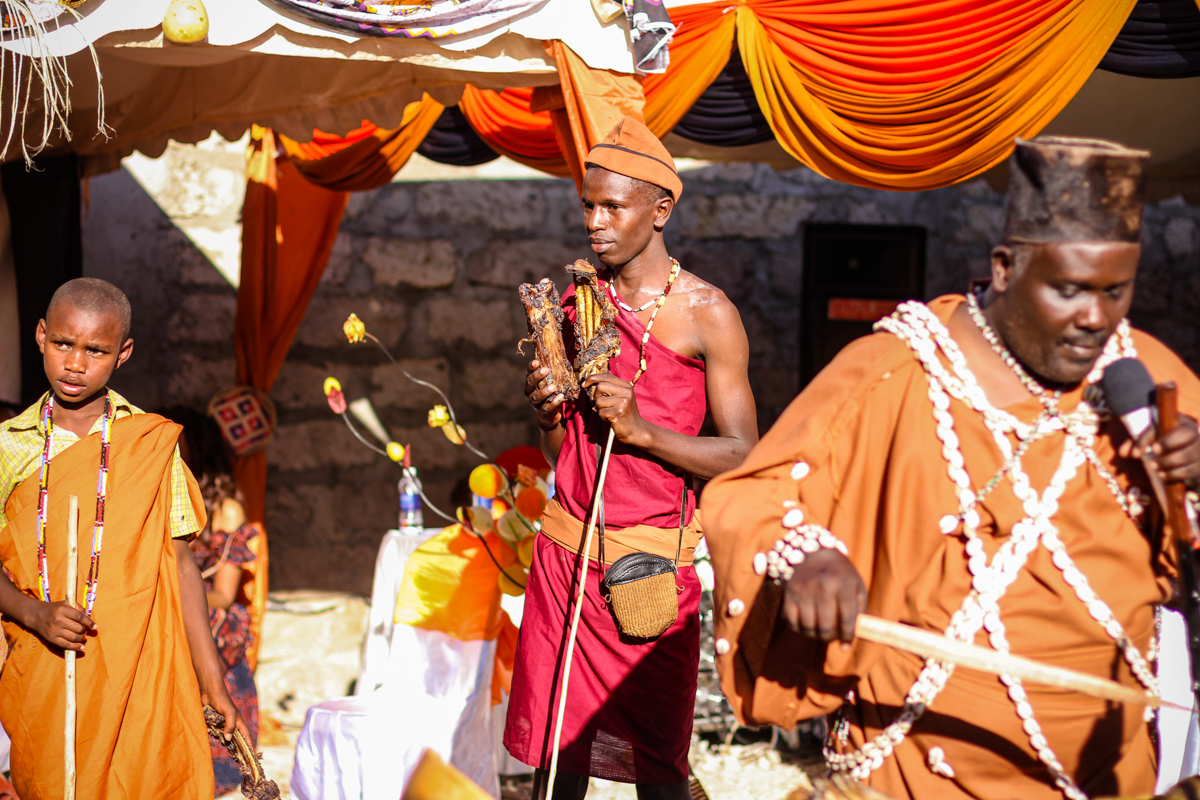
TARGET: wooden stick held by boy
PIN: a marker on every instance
(69, 656)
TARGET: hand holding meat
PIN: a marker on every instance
(543, 395)
(545, 317)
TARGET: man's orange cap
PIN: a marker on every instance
(630, 149)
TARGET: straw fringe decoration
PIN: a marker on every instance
(19, 72)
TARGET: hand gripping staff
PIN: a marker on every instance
(1131, 395)
(1182, 531)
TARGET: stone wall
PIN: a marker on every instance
(431, 267)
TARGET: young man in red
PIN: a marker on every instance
(630, 701)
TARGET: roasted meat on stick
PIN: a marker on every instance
(596, 332)
(544, 314)
(255, 785)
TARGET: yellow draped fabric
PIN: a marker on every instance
(450, 585)
(888, 94)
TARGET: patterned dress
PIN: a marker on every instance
(231, 630)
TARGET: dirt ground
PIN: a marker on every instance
(737, 772)
(290, 679)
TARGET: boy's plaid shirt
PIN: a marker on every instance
(23, 438)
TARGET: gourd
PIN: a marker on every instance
(186, 22)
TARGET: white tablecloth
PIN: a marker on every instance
(394, 551)
(1178, 736)
(417, 689)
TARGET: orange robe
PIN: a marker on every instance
(858, 453)
(140, 730)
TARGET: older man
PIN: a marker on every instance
(956, 472)
(630, 701)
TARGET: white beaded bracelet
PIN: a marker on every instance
(801, 540)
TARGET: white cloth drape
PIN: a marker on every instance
(437, 697)
(417, 689)
(389, 572)
(1178, 735)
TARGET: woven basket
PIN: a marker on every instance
(647, 607)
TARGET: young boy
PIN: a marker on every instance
(140, 731)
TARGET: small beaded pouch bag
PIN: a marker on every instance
(640, 587)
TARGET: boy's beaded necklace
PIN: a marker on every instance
(44, 495)
(658, 304)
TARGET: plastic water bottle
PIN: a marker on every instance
(412, 522)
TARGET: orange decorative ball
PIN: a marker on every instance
(486, 481)
(531, 502)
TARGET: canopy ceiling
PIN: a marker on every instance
(267, 65)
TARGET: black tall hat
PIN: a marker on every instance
(1066, 189)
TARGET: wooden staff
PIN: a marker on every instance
(934, 645)
(72, 577)
(587, 549)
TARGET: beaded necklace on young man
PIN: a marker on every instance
(657, 302)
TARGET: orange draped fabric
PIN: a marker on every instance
(589, 103)
(366, 158)
(881, 93)
(699, 51)
(593, 101)
(889, 94)
(504, 121)
(288, 228)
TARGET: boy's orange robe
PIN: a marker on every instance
(140, 730)
(874, 474)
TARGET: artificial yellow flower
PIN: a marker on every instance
(438, 416)
(395, 451)
(354, 329)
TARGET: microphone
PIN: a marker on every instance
(1129, 391)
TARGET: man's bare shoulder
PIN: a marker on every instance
(705, 302)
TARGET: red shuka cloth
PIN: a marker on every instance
(630, 702)
(639, 489)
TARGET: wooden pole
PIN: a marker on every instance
(72, 577)
(936, 646)
(587, 549)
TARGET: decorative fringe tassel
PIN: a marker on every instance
(47, 70)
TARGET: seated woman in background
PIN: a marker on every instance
(222, 552)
